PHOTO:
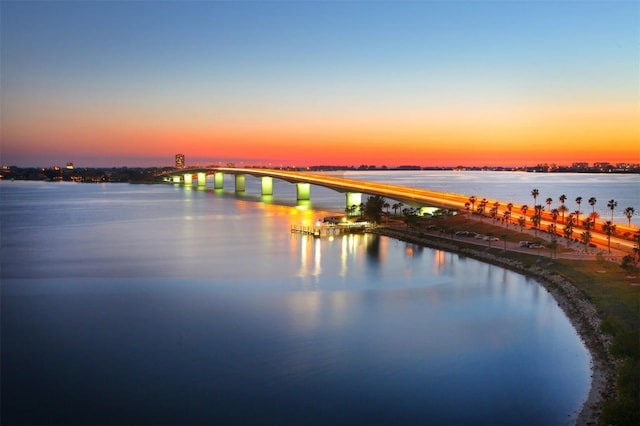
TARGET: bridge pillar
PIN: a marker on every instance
(267, 185)
(353, 198)
(240, 183)
(218, 180)
(303, 191)
(202, 179)
(175, 179)
(188, 179)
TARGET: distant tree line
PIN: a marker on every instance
(88, 175)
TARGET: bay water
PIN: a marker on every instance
(163, 304)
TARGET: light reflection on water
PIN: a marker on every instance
(186, 306)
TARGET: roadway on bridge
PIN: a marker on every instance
(411, 196)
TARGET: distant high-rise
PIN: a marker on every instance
(179, 161)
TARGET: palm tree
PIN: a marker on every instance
(628, 212)
(549, 201)
(535, 194)
(494, 210)
(386, 206)
(396, 206)
(482, 206)
(612, 204)
(507, 217)
(524, 209)
(562, 209)
(522, 221)
(473, 200)
(535, 219)
(577, 213)
(538, 210)
(568, 232)
(562, 199)
(592, 203)
(554, 215)
(578, 202)
(609, 228)
(585, 237)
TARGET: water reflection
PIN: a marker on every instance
(229, 306)
(373, 249)
(317, 264)
(356, 253)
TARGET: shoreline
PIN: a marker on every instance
(579, 310)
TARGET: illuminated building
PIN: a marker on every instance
(179, 161)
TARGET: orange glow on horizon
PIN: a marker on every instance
(545, 135)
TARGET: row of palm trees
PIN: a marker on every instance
(611, 204)
(572, 219)
(560, 211)
(356, 209)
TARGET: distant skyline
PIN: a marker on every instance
(132, 83)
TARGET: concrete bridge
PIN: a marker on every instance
(353, 189)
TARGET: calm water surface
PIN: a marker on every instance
(131, 304)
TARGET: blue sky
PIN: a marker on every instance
(206, 66)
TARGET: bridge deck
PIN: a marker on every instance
(410, 196)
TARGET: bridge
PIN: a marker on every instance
(353, 189)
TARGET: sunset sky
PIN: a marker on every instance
(133, 83)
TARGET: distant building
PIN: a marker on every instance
(580, 165)
(602, 166)
(69, 166)
(179, 161)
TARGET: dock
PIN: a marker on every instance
(330, 230)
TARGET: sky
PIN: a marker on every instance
(132, 83)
